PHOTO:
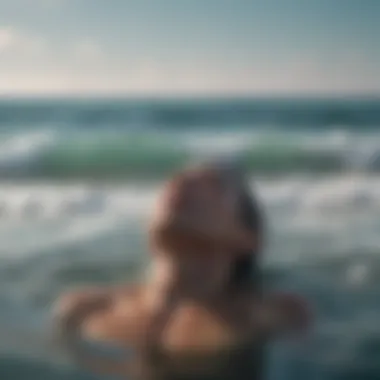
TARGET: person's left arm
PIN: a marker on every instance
(281, 314)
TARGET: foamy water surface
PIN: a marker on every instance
(78, 180)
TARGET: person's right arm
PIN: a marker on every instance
(70, 313)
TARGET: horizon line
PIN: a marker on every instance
(190, 96)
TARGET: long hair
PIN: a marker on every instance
(246, 271)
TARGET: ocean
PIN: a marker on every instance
(78, 178)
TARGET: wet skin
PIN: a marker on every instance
(184, 322)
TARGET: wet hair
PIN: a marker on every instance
(246, 271)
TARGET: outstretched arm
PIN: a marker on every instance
(70, 312)
(281, 314)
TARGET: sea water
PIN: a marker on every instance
(78, 178)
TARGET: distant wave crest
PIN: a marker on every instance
(79, 155)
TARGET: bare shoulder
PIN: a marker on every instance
(119, 316)
(89, 300)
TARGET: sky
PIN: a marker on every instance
(190, 47)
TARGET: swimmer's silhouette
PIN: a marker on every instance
(201, 314)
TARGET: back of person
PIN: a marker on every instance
(201, 313)
(191, 341)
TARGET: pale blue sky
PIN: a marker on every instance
(190, 46)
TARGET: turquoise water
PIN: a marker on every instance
(78, 178)
(128, 139)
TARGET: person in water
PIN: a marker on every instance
(202, 313)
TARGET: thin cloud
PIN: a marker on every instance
(15, 41)
(7, 38)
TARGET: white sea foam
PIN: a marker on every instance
(45, 215)
(19, 148)
(339, 196)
